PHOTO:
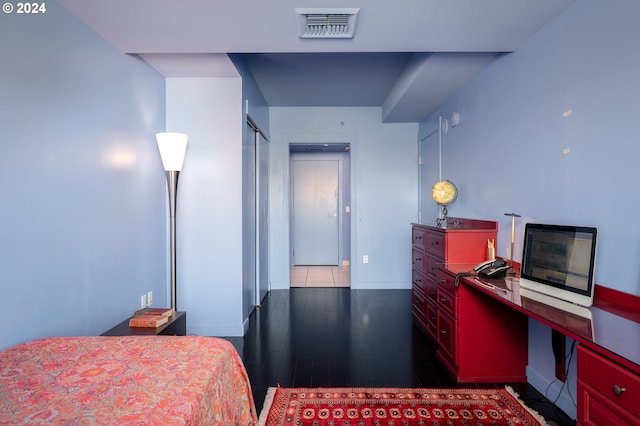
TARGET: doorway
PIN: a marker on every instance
(320, 215)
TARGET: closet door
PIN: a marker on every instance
(262, 217)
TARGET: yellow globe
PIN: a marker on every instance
(444, 192)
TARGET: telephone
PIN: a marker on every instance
(492, 268)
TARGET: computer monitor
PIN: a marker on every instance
(560, 261)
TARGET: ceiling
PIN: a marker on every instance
(407, 56)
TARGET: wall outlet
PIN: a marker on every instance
(143, 301)
(150, 298)
(365, 259)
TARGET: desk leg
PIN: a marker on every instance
(558, 344)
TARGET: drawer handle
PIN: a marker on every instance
(418, 237)
(443, 281)
(418, 259)
(617, 390)
(443, 300)
(443, 331)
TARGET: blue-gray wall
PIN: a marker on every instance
(550, 132)
(82, 216)
(543, 131)
(383, 189)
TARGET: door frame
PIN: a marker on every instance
(346, 219)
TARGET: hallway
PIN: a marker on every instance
(319, 276)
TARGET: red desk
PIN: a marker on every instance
(609, 343)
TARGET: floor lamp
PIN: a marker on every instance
(172, 148)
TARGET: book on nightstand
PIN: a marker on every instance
(165, 312)
(148, 320)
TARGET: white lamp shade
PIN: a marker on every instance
(172, 149)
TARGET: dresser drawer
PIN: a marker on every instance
(419, 259)
(447, 336)
(447, 302)
(435, 243)
(432, 319)
(446, 281)
(417, 235)
(432, 264)
(419, 307)
(418, 300)
(612, 381)
(419, 280)
(431, 290)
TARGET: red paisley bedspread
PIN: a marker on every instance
(142, 380)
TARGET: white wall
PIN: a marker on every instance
(383, 196)
(83, 215)
(209, 204)
(546, 132)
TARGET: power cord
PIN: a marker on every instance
(547, 399)
(571, 351)
(557, 412)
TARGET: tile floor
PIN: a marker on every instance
(319, 276)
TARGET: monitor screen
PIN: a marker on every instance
(561, 260)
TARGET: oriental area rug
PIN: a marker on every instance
(395, 406)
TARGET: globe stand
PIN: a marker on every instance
(443, 219)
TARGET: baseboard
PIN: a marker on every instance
(215, 329)
(245, 325)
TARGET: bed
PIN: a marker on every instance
(142, 380)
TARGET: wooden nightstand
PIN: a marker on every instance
(177, 326)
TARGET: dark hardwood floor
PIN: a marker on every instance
(333, 337)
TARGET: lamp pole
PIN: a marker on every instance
(172, 148)
(172, 185)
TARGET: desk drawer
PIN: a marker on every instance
(617, 384)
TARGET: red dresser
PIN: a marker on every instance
(471, 329)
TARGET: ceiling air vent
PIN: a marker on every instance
(327, 23)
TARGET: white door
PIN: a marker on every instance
(315, 186)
